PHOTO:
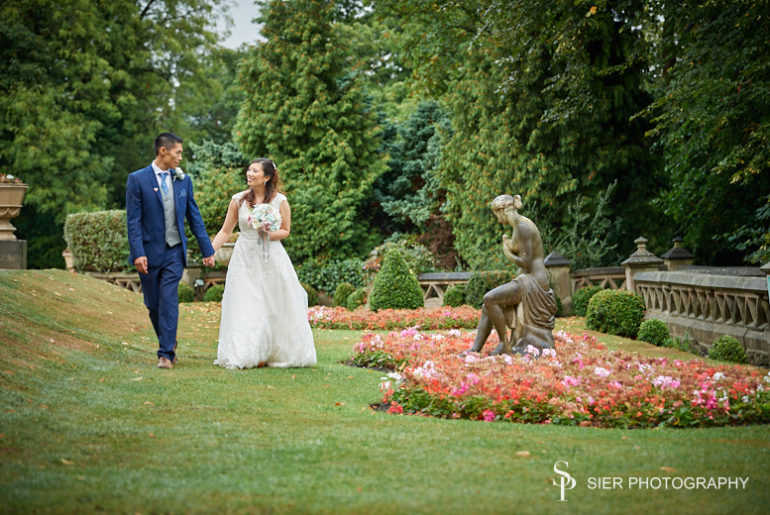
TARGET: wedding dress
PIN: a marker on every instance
(264, 307)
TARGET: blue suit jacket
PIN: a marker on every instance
(144, 216)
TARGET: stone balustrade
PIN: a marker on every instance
(703, 306)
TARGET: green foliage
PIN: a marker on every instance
(482, 282)
(312, 295)
(654, 331)
(304, 107)
(214, 293)
(553, 91)
(85, 87)
(356, 299)
(682, 344)
(395, 287)
(712, 119)
(341, 293)
(98, 241)
(186, 293)
(418, 258)
(581, 298)
(728, 348)
(219, 172)
(455, 295)
(615, 312)
(327, 276)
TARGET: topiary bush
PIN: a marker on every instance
(728, 348)
(581, 298)
(312, 295)
(98, 241)
(455, 295)
(356, 299)
(214, 293)
(344, 289)
(395, 287)
(481, 282)
(654, 331)
(615, 312)
(186, 293)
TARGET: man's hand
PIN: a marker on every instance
(209, 261)
(141, 264)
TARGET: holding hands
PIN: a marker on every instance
(209, 261)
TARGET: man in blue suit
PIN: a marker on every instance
(158, 199)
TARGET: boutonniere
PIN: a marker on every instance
(178, 174)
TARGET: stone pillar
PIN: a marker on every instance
(766, 269)
(640, 261)
(559, 269)
(677, 256)
(13, 254)
(69, 261)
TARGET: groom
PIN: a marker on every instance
(158, 199)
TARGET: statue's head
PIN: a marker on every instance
(503, 205)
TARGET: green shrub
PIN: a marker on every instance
(327, 276)
(214, 293)
(727, 348)
(186, 293)
(481, 282)
(654, 331)
(581, 298)
(312, 295)
(684, 345)
(455, 295)
(356, 299)
(98, 241)
(395, 287)
(615, 312)
(343, 291)
(417, 256)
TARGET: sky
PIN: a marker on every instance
(243, 30)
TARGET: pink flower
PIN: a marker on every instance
(488, 415)
(601, 372)
(571, 381)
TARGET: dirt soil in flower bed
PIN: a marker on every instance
(581, 382)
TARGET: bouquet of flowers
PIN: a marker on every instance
(264, 219)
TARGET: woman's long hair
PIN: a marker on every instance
(270, 171)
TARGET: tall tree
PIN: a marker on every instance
(304, 107)
(541, 96)
(85, 84)
(712, 115)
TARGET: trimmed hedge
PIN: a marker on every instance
(482, 282)
(395, 287)
(615, 312)
(356, 299)
(654, 331)
(186, 293)
(581, 298)
(455, 295)
(328, 276)
(341, 294)
(728, 348)
(214, 293)
(98, 241)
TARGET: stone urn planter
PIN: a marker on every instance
(11, 199)
(224, 254)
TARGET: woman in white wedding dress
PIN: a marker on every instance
(264, 307)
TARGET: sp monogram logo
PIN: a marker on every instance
(566, 481)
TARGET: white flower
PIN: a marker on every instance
(533, 350)
(601, 372)
(178, 174)
(718, 376)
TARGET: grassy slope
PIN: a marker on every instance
(88, 423)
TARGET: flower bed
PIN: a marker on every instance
(580, 383)
(427, 318)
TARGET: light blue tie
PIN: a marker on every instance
(163, 185)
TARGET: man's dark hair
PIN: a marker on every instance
(168, 140)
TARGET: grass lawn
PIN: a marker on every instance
(88, 423)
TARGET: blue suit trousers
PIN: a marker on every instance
(161, 296)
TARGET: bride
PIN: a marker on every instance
(264, 307)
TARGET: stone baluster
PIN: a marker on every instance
(559, 269)
(766, 269)
(640, 261)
